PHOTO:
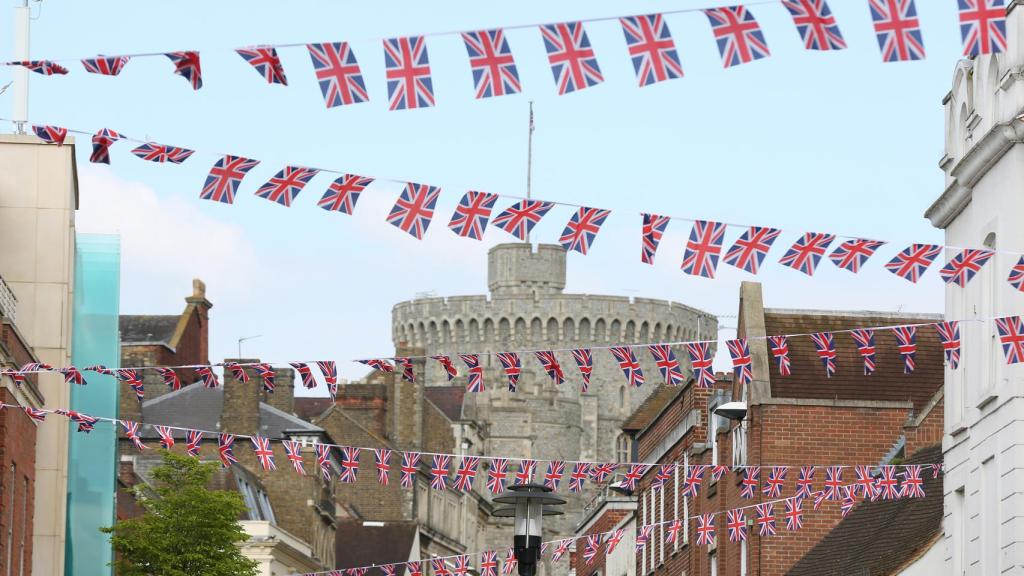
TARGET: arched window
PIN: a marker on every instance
(623, 448)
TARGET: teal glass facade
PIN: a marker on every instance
(92, 458)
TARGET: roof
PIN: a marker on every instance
(448, 399)
(148, 329)
(198, 407)
(808, 380)
(358, 545)
(651, 408)
(881, 537)
(310, 407)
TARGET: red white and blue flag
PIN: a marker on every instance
(496, 475)
(286, 184)
(913, 486)
(578, 476)
(718, 471)
(225, 449)
(225, 177)
(864, 338)
(700, 361)
(706, 530)
(833, 482)
(662, 476)
(887, 485)
(584, 225)
(264, 452)
(600, 472)
(751, 247)
(44, 67)
(906, 340)
(382, 460)
(193, 438)
(962, 268)
(667, 363)
(186, 65)
(338, 73)
(643, 536)
(166, 436)
(825, 346)
(898, 30)
(560, 549)
(585, 362)
(439, 567)
(816, 24)
(738, 35)
(912, 262)
(265, 61)
(439, 472)
(489, 563)
(513, 368)
(794, 513)
(305, 374)
(170, 378)
(982, 26)
(572, 59)
(408, 369)
(553, 476)
(343, 193)
(765, 519)
(549, 363)
(491, 62)
(751, 481)
(852, 254)
(694, 477)
(864, 484)
(526, 472)
(266, 375)
(779, 346)
(237, 371)
(349, 464)
(51, 134)
(739, 351)
(475, 377)
(1016, 277)
(329, 370)
(72, 375)
(206, 375)
(462, 566)
(776, 480)
(447, 365)
(472, 213)
(408, 73)
(520, 218)
(651, 232)
(949, 337)
(1011, 336)
(703, 248)
(737, 525)
(466, 473)
(101, 142)
(323, 460)
(807, 251)
(153, 152)
(414, 209)
(378, 364)
(629, 364)
(592, 546)
(614, 539)
(293, 452)
(651, 49)
(632, 476)
(131, 431)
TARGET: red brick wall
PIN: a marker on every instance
(17, 449)
(928, 432)
(607, 521)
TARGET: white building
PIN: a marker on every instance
(983, 205)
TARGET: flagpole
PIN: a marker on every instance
(22, 23)
(529, 160)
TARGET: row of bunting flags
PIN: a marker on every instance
(571, 56)
(1009, 331)
(414, 209)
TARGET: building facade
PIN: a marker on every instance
(981, 207)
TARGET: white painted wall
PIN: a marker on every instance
(932, 563)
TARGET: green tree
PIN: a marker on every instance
(186, 530)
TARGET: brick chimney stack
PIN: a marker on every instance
(241, 411)
(198, 299)
(283, 397)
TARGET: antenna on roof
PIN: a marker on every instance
(243, 339)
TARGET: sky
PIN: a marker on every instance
(804, 141)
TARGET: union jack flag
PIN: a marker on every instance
(410, 465)
(1011, 336)
(912, 262)
(898, 29)
(846, 506)
(982, 26)
(44, 67)
(700, 361)
(741, 362)
(131, 431)
(225, 177)
(131, 377)
(161, 153)
(852, 254)
(833, 482)
(166, 436)
(466, 473)
(651, 231)
(949, 336)
(584, 225)
(865, 340)
(673, 530)
(439, 472)
(186, 65)
(304, 373)
(816, 24)
(489, 563)
(560, 549)
(264, 452)
(794, 513)
(286, 184)
(293, 451)
(343, 193)
(206, 374)
(751, 480)
(329, 370)
(382, 458)
(629, 364)
(408, 369)
(475, 377)
(337, 71)
(496, 475)
(323, 460)
(739, 38)
(1016, 277)
(718, 471)
(510, 362)
(236, 371)
(349, 464)
(578, 476)
(887, 485)
(751, 247)
(509, 564)
(266, 62)
(632, 476)
(600, 472)
(765, 519)
(462, 566)
(266, 374)
(805, 482)
(643, 536)
(413, 569)
(553, 477)
(806, 252)
(667, 363)
(703, 248)
(906, 339)
(780, 351)
(913, 486)
(737, 525)
(84, 421)
(662, 476)
(526, 472)
(225, 448)
(72, 376)
(490, 59)
(614, 539)
(694, 477)
(549, 363)
(651, 48)
(776, 480)
(826, 348)
(472, 213)
(865, 484)
(378, 364)
(192, 440)
(439, 566)
(51, 134)
(101, 142)
(572, 60)
(408, 73)
(593, 544)
(520, 218)
(705, 530)
(585, 362)
(414, 209)
(962, 268)
(387, 570)
(446, 364)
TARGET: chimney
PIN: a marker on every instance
(198, 299)
(283, 397)
(241, 411)
(407, 416)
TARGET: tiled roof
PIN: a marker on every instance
(448, 399)
(358, 545)
(147, 329)
(881, 537)
(308, 408)
(651, 407)
(849, 383)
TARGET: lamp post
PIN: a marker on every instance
(529, 504)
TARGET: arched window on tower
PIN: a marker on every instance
(623, 448)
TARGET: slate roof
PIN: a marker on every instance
(448, 399)
(882, 537)
(849, 383)
(651, 407)
(147, 328)
(357, 545)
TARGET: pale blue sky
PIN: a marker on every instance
(806, 141)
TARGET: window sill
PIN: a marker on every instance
(958, 429)
(987, 397)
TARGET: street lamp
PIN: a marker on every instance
(529, 504)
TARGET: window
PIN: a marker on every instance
(623, 447)
(656, 534)
(24, 524)
(661, 518)
(675, 502)
(9, 556)
(713, 564)
(643, 522)
(739, 444)
(743, 558)
(960, 537)
(256, 500)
